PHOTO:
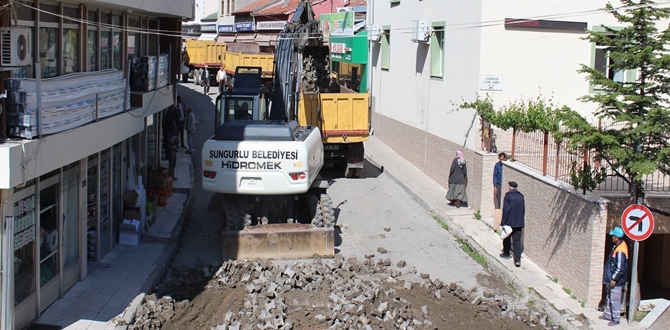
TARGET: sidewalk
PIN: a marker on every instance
(529, 280)
(126, 271)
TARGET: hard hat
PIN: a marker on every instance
(617, 231)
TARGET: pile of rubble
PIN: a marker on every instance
(339, 294)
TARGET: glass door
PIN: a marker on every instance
(25, 246)
(92, 208)
(70, 225)
(117, 193)
(105, 189)
(49, 239)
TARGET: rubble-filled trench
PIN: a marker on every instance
(335, 293)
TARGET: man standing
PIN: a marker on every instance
(190, 130)
(221, 78)
(205, 79)
(182, 119)
(513, 213)
(171, 148)
(615, 276)
(497, 180)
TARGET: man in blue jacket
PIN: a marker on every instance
(513, 214)
(497, 180)
(615, 276)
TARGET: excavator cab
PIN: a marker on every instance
(247, 100)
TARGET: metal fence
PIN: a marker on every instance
(540, 152)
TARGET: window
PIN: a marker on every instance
(49, 41)
(70, 40)
(603, 62)
(386, 48)
(49, 233)
(92, 50)
(239, 109)
(437, 51)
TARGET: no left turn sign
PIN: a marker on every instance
(637, 222)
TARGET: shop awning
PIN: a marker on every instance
(224, 39)
(245, 37)
(264, 39)
(208, 36)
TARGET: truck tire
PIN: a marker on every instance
(234, 218)
(315, 211)
(184, 78)
(327, 211)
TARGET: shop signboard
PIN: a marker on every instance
(270, 25)
(341, 50)
(244, 26)
(190, 30)
(228, 28)
(208, 28)
(337, 24)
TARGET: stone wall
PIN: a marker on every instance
(565, 232)
(433, 156)
(619, 202)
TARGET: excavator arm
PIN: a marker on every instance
(300, 59)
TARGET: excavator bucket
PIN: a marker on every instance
(279, 241)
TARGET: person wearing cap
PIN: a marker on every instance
(205, 79)
(513, 214)
(221, 78)
(615, 276)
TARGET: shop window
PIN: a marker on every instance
(70, 215)
(132, 45)
(437, 51)
(118, 44)
(386, 48)
(92, 207)
(48, 51)
(70, 50)
(105, 61)
(92, 50)
(24, 247)
(48, 234)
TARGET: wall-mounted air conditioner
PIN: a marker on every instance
(420, 31)
(374, 33)
(344, 9)
(16, 47)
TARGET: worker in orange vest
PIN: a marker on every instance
(615, 276)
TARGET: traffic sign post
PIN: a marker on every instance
(637, 223)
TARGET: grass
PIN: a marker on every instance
(553, 279)
(572, 295)
(442, 224)
(472, 253)
(640, 315)
(478, 215)
(511, 287)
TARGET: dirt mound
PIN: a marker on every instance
(332, 293)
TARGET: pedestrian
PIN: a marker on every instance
(171, 148)
(205, 79)
(190, 130)
(458, 175)
(182, 120)
(497, 180)
(171, 118)
(615, 276)
(221, 78)
(513, 214)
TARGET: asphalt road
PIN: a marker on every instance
(364, 208)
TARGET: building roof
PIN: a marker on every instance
(256, 5)
(280, 9)
(211, 17)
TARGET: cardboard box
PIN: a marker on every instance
(156, 181)
(130, 225)
(130, 197)
(132, 215)
(129, 238)
(168, 186)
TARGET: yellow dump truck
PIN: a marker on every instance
(201, 53)
(344, 122)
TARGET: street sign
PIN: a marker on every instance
(637, 222)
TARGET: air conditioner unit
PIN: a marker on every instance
(344, 9)
(16, 46)
(374, 33)
(420, 31)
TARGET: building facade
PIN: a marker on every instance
(428, 57)
(62, 193)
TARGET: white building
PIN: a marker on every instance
(61, 194)
(416, 86)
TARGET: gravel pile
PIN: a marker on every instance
(331, 293)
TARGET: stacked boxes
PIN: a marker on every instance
(143, 74)
(163, 72)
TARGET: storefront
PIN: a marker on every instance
(349, 57)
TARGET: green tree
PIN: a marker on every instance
(637, 144)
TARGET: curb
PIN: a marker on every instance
(493, 264)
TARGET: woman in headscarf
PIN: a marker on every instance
(457, 178)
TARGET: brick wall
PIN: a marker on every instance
(433, 156)
(619, 202)
(564, 233)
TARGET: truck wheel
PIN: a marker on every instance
(234, 220)
(328, 211)
(184, 78)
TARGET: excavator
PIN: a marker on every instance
(262, 165)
